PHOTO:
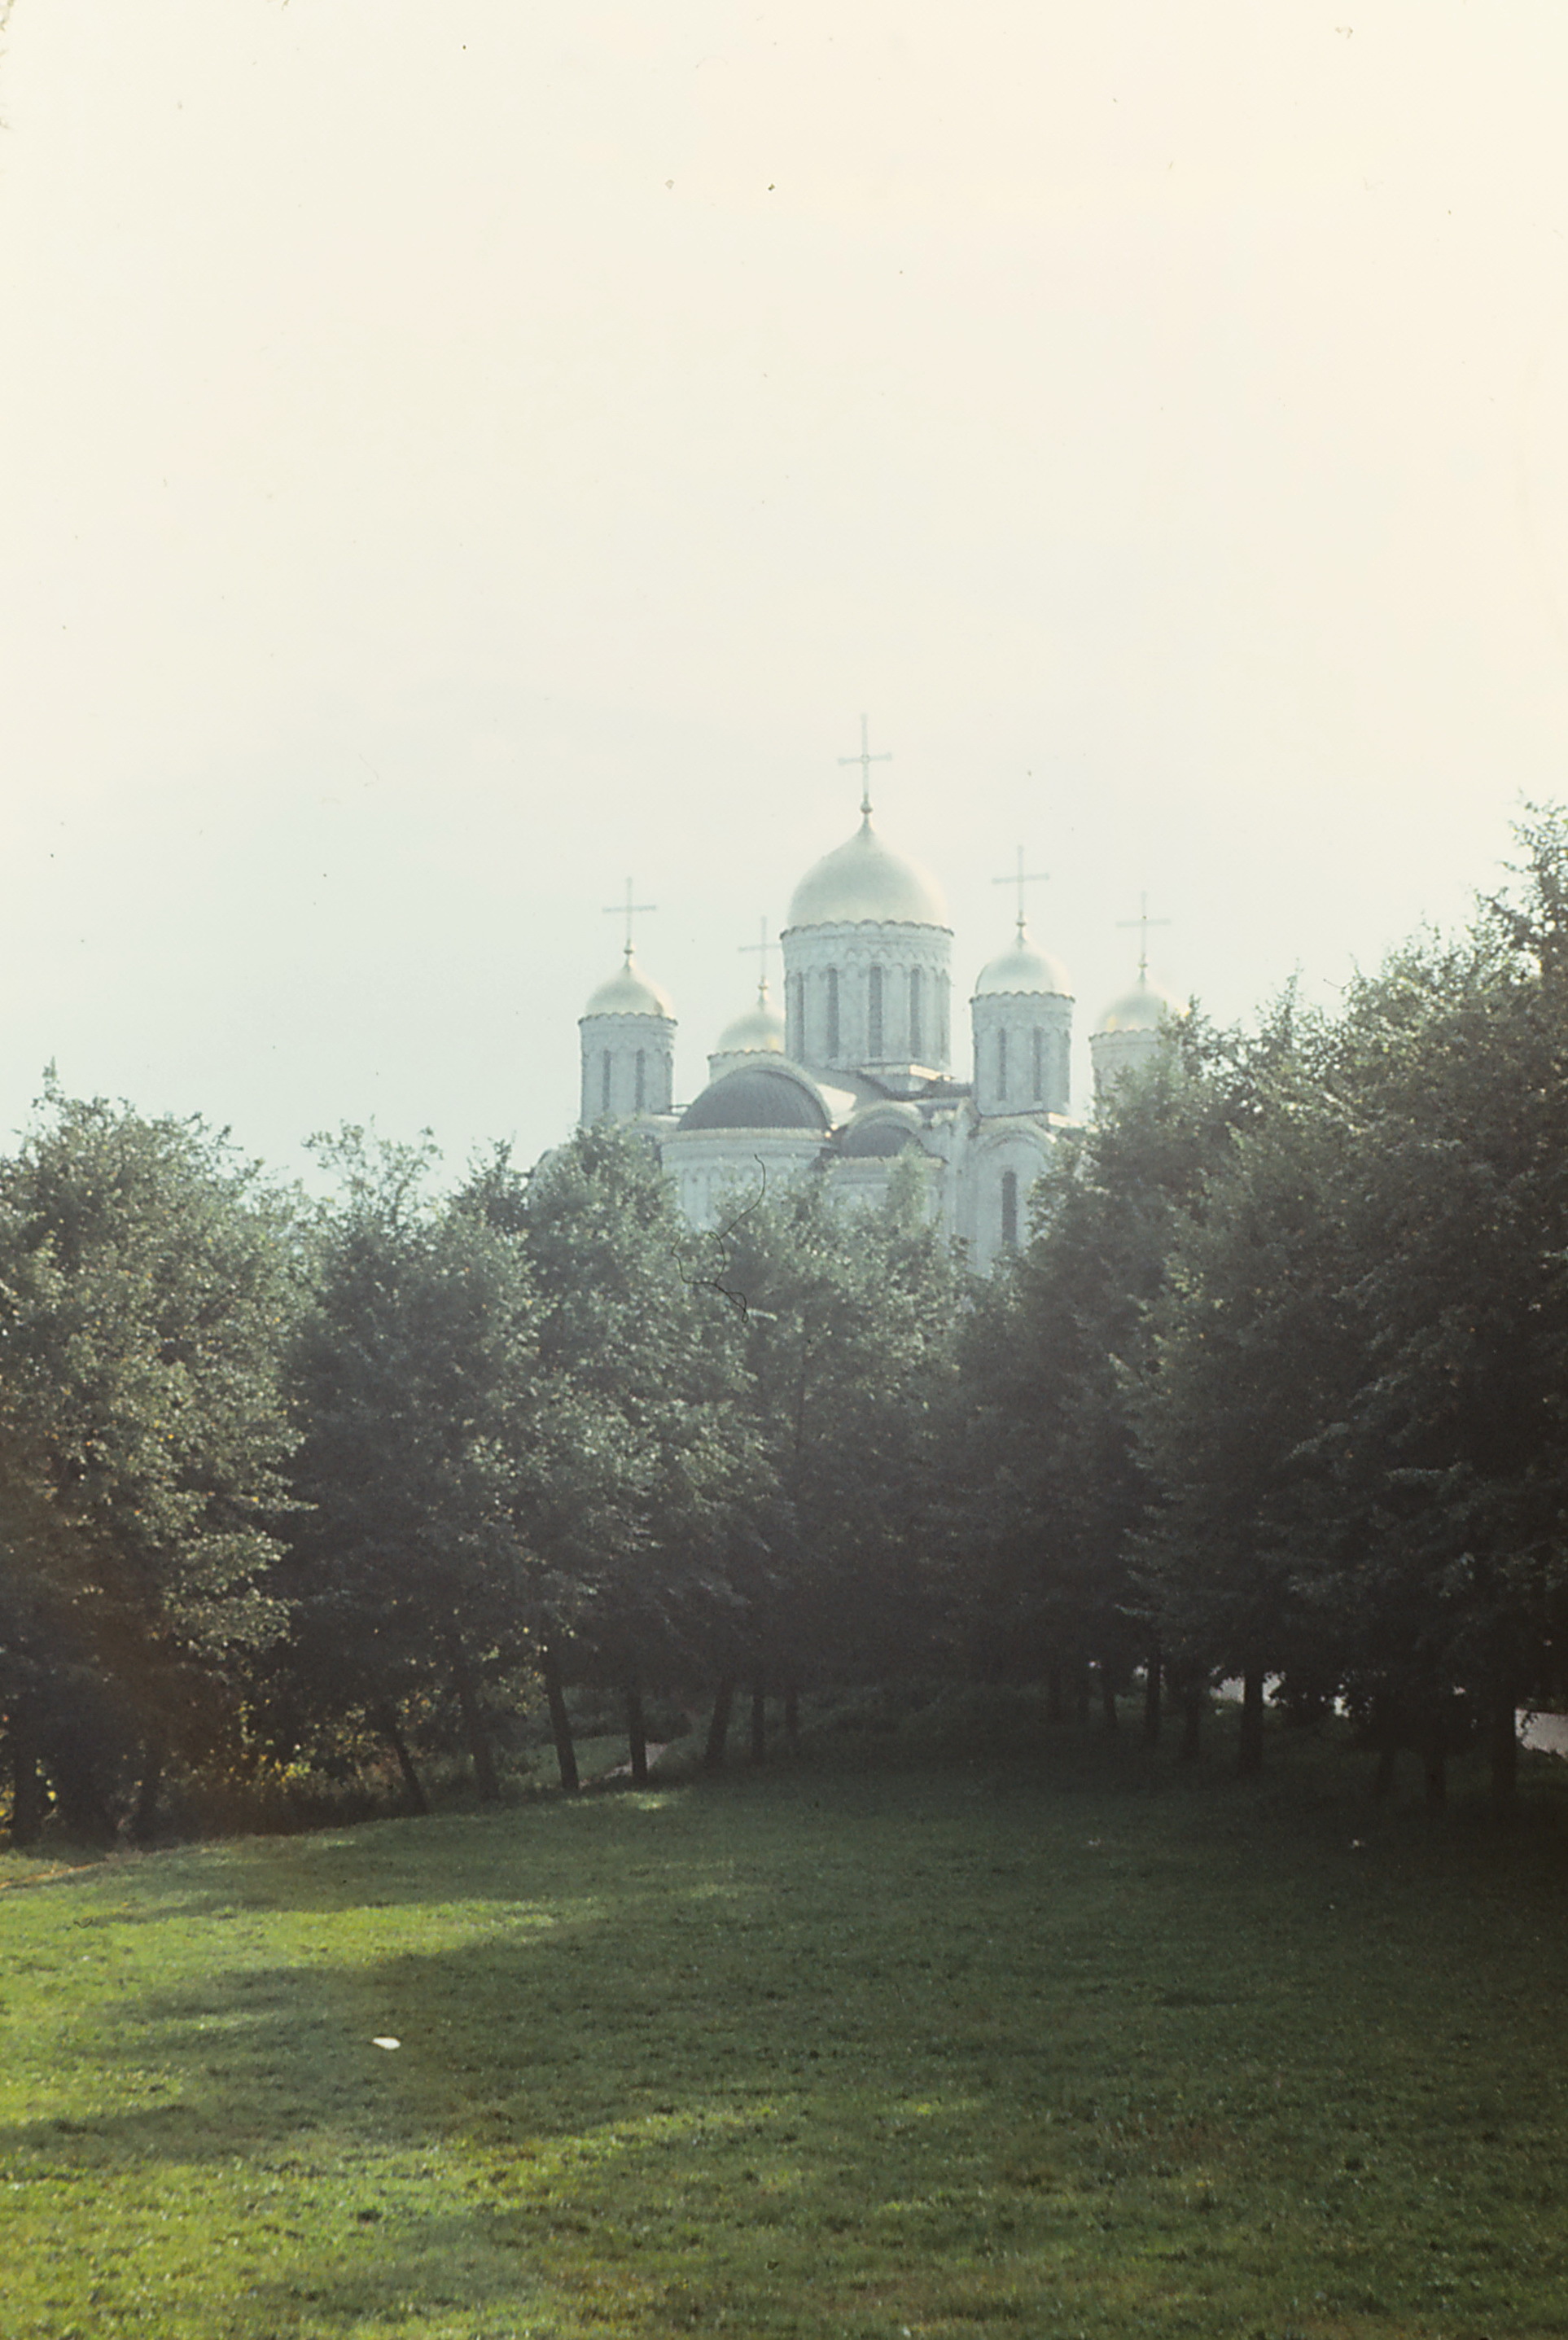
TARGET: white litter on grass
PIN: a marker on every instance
(386, 2043)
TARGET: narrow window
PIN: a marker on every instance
(1001, 1068)
(604, 1082)
(916, 1019)
(642, 1079)
(832, 1011)
(1064, 1069)
(874, 1014)
(1039, 1066)
(1010, 1210)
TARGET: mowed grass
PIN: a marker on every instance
(856, 2047)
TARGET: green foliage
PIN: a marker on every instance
(415, 1385)
(147, 1280)
(1050, 1486)
(1352, 1408)
(847, 1319)
(649, 1479)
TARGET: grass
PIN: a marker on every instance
(870, 2046)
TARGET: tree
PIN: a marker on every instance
(849, 1317)
(641, 1502)
(416, 1389)
(1354, 1410)
(148, 1279)
(1053, 1488)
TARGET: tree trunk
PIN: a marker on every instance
(792, 1718)
(636, 1735)
(559, 1722)
(474, 1729)
(1249, 1739)
(1385, 1739)
(154, 1755)
(1502, 1749)
(1153, 1687)
(26, 1787)
(1193, 1703)
(719, 1726)
(1108, 1697)
(387, 1723)
(1434, 1767)
(758, 1723)
(1053, 1694)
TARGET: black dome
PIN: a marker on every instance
(756, 1098)
(872, 1141)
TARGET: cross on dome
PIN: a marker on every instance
(763, 944)
(1020, 879)
(1143, 923)
(629, 911)
(865, 760)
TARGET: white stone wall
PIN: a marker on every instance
(1116, 1054)
(1023, 1052)
(628, 1066)
(716, 1171)
(988, 1155)
(819, 959)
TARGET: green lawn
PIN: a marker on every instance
(860, 2047)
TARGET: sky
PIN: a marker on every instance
(460, 457)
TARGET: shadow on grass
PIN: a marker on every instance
(819, 2045)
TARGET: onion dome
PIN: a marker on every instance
(628, 992)
(864, 880)
(1023, 968)
(760, 1032)
(1141, 1009)
(761, 1097)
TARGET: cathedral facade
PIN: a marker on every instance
(855, 1075)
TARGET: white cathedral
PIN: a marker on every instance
(854, 1073)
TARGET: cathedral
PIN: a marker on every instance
(854, 1072)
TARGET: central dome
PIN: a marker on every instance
(862, 881)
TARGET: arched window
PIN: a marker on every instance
(1001, 1068)
(1010, 1210)
(1039, 1066)
(874, 1014)
(916, 1013)
(832, 1011)
(604, 1082)
(642, 1079)
(1064, 1069)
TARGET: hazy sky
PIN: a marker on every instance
(458, 455)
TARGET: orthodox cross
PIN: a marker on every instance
(763, 946)
(629, 911)
(1143, 923)
(865, 760)
(1020, 879)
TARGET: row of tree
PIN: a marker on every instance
(1277, 1389)
(279, 1478)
